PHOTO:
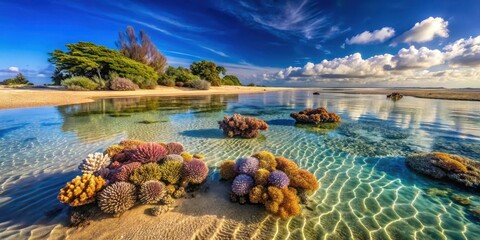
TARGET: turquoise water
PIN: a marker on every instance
(366, 191)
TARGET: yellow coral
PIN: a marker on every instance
(226, 170)
(171, 171)
(261, 176)
(266, 160)
(186, 156)
(170, 189)
(147, 172)
(448, 162)
(199, 156)
(81, 190)
(258, 194)
(113, 150)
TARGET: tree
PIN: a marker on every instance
(179, 74)
(17, 80)
(145, 52)
(231, 80)
(208, 71)
(89, 60)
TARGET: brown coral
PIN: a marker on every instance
(266, 160)
(282, 202)
(226, 170)
(261, 176)
(81, 190)
(304, 179)
(245, 127)
(315, 116)
(258, 194)
(131, 143)
(114, 150)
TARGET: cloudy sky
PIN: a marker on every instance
(343, 43)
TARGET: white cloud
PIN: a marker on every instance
(380, 35)
(424, 31)
(215, 51)
(13, 69)
(456, 62)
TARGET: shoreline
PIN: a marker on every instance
(11, 98)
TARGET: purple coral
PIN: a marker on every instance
(149, 152)
(195, 171)
(152, 191)
(278, 179)
(242, 184)
(175, 148)
(248, 165)
(123, 172)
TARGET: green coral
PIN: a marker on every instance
(147, 172)
(171, 171)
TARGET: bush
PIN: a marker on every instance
(17, 80)
(231, 80)
(102, 83)
(179, 84)
(79, 84)
(200, 84)
(123, 84)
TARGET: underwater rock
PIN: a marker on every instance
(316, 93)
(244, 127)
(475, 212)
(82, 215)
(168, 200)
(453, 168)
(459, 199)
(315, 116)
(436, 192)
(158, 210)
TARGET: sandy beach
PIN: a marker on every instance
(35, 97)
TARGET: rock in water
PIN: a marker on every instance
(457, 169)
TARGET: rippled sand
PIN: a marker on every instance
(365, 193)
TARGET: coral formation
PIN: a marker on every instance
(81, 190)
(453, 168)
(171, 171)
(242, 184)
(137, 170)
(186, 156)
(245, 127)
(117, 198)
(395, 96)
(195, 171)
(278, 179)
(94, 163)
(147, 172)
(226, 170)
(315, 116)
(437, 192)
(459, 199)
(199, 156)
(261, 176)
(149, 152)
(122, 173)
(266, 160)
(158, 210)
(248, 165)
(173, 157)
(175, 148)
(281, 187)
(152, 192)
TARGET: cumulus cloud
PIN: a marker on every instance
(13, 69)
(459, 61)
(380, 35)
(424, 31)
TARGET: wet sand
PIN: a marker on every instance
(435, 93)
(35, 97)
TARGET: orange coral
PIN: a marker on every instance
(282, 202)
(304, 179)
(226, 170)
(286, 165)
(261, 176)
(170, 189)
(447, 162)
(266, 160)
(186, 156)
(81, 190)
(258, 194)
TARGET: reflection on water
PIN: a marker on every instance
(366, 190)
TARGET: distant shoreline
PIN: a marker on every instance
(50, 96)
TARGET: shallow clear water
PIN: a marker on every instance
(366, 190)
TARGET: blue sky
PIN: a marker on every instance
(288, 43)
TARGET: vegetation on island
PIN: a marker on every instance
(136, 64)
(20, 79)
(276, 182)
(134, 172)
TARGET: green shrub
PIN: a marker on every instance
(231, 80)
(200, 84)
(102, 83)
(17, 80)
(79, 84)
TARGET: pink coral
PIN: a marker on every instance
(245, 127)
(149, 152)
(123, 172)
(195, 171)
(175, 148)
